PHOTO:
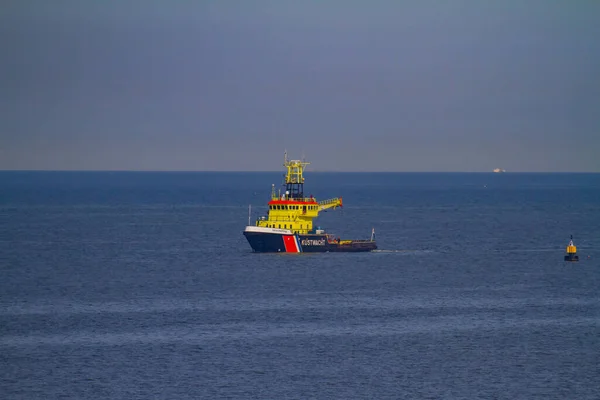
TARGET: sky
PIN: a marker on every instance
(228, 85)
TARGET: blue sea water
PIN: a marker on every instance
(142, 286)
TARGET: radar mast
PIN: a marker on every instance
(294, 179)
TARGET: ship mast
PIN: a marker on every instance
(294, 179)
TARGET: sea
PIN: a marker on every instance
(140, 285)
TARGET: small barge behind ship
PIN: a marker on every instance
(288, 226)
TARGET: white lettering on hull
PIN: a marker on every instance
(313, 242)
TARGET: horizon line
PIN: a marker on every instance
(310, 171)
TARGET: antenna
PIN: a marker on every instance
(249, 213)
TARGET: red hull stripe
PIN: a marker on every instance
(291, 245)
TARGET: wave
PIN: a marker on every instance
(403, 251)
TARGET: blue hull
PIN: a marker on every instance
(275, 242)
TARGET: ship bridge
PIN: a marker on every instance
(291, 209)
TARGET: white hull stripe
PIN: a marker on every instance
(261, 229)
(297, 239)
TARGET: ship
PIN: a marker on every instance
(499, 170)
(289, 226)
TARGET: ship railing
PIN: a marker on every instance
(279, 219)
(329, 201)
(298, 199)
(334, 238)
(292, 218)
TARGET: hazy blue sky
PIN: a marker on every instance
(353, 85)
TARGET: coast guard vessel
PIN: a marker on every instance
(288, 226)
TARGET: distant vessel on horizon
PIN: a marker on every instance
(498, 170)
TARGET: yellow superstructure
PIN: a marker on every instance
(291, 209)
